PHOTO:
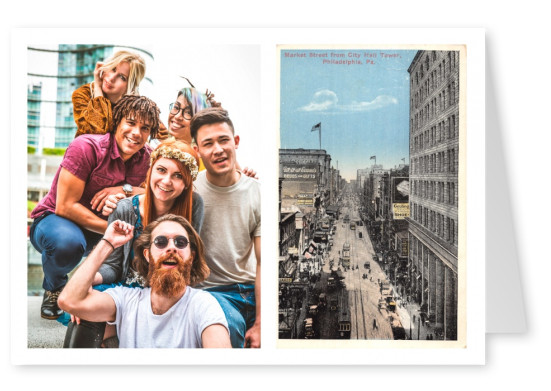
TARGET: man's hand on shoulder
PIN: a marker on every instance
(111, 203)
(249, 172)
(98, 201)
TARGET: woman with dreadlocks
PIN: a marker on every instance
(169, 189)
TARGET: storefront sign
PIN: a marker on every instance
(400, 211)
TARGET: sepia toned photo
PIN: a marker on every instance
(370, 194)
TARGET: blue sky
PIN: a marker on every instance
(363, 108)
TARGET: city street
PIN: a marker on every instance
(364, 293)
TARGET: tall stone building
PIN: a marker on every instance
(433, 222)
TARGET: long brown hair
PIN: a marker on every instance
(177, 151)
(199, 268)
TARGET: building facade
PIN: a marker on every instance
(308, 180)
(433, 222)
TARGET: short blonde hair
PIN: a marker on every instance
(137, 68)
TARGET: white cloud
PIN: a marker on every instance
(377, 103)
(326, 101)
(323, 100)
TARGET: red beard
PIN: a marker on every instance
(172, 281)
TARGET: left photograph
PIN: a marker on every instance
(143, 196)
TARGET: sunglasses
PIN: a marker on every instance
(180, 242)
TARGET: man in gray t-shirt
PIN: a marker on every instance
(231, 226)
(168, 313)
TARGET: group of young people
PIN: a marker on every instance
(168, 222)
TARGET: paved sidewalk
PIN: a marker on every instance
(42, 333)
(407, 312)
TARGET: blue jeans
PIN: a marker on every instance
(62, 244)
(239, 305)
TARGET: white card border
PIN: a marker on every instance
(268, 354)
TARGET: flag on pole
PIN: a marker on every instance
(372, 157)
(316, 127)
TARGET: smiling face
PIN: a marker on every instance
(115, 81)
(216, 145)
(131, 135)
(167, 180)
(178, 126)
(169, 267)
(169, 229)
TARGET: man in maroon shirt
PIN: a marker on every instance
(68, 221)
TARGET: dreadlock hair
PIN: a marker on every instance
(137, 107)
(199, 268)
(183, 203)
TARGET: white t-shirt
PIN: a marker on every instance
(231, 221)
(180, 327)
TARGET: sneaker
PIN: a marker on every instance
(49, 308)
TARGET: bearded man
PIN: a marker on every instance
(167, 313)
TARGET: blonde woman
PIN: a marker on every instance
(119, 75)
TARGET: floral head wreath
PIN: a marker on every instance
(173, 153)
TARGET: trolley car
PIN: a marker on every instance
(344, 316)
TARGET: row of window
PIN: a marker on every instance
(442, 226)
(32, 135)
(445, 130)
(443, 65)
(444, 192)
(437, 162)
(446, 98)
(428, 88)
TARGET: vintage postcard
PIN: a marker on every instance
(372, 168)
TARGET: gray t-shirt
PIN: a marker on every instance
(231, 221)
(180, 327)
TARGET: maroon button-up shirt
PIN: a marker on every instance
(96, 160)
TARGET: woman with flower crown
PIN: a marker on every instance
(169, 189)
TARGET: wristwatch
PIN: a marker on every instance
(127, 189)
